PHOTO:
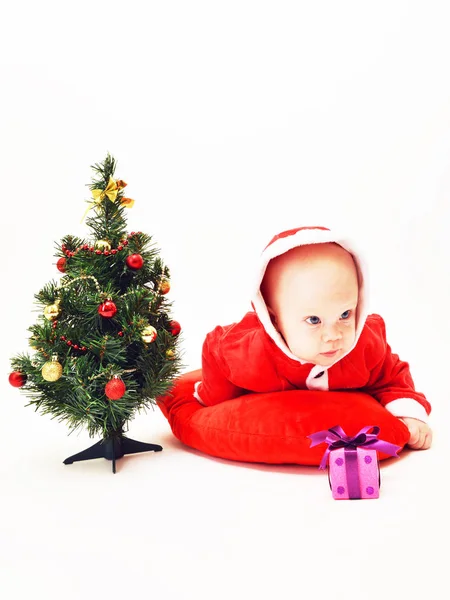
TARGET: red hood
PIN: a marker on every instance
(301, 236)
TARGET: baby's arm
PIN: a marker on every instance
(392, 385)
(215, 387)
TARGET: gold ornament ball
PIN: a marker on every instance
(52, 370)
(52, 311)
(103, 245)
(164, 286)
(170, 354)
(149, 334)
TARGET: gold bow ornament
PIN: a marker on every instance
(110, 192)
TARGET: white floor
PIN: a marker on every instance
(180, 525)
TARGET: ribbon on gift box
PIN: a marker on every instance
(336, 437)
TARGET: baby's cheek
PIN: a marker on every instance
(349, 333)
(349, 323)
(349, 326)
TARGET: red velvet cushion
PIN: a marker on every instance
(273, 427)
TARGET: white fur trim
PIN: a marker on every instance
(407, 407)
(195, 394)
(321, 383)
(302, 238)
(263, 314)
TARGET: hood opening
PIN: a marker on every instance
(302, 236)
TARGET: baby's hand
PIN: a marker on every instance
(420, 433)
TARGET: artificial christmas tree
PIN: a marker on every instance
(105, 346)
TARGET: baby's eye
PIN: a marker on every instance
(346, 314)
(313, 320)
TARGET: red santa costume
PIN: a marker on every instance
(252, 356)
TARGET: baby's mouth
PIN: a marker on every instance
(332, 353)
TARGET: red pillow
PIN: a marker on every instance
(273, 427)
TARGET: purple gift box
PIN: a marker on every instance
(353, 468)
(354, 474)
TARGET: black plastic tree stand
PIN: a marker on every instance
(113, 448)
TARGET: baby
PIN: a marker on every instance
(309, 330)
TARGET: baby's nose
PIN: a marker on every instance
(332, 334)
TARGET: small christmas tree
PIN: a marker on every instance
(105, 345)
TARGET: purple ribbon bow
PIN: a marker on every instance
(336, 437)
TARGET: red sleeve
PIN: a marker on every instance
(390, 378)
(215, 386)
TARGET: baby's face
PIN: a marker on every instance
(315, 305)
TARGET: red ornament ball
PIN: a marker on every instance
(61, 265)
(135, 262)
(108, 309)
(17, 379)
(115, 389)
(175, 327)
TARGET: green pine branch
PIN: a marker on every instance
(92, 348)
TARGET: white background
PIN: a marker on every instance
(231, 121)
